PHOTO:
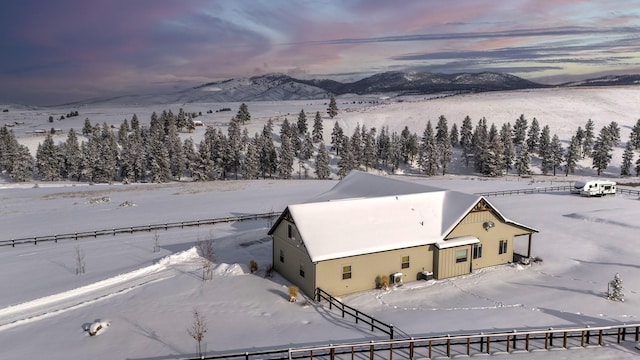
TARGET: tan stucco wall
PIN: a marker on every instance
(295, 255)
(365, 269)
(490, 239)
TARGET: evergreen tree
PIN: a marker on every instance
(395, 151)
(587, 142)
(383, 144)
(634, 138)
(520, 131)
(572, 155)
(614, 134)
(428, 155)
(615, 289)
(87, 128)
(333, 107)
(21, 168)
(135, 123)
(533, 136)
(508, 151)
(177, 157)
(251, 162)
(557, 153)
(369, 149)
(409, 145)
(580, 138)
(243, 116)
(480, 142)
(444, 149)
(454, 135)
(317, 132)
(356, 146)
(72, 157)
(545, 150)
(638, 167)
(601, 153)
(322, 163)
(466, 140)
(190, 156)
(204, 165)
(302, 123)
(48, 161)
(523, 161)
(346, 163)
(627, 160)
(285, 165)
(494, 162)
(267, 155)
(158, 160)
(337, 136)
(123, 131)
(233, 151)
(181, 120)
(91, 157)
(306, 148)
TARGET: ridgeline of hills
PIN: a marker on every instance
(275, 87)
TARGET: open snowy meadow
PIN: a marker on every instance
(144, 296)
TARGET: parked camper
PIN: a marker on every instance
(594, 188)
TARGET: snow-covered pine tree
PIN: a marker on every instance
(572, 155)
(48, 159)
(268, 157)
(409, 145)
(383, 143)
(508, 152)
(588, 139)
(466, 140)
(356, 145)
(523, 161)
(627, 160)
(480, 141)
(533, 136)
(243, 116)
(395, 151)
(285, 165)
(615, 289)
(634, 138)
(318, 129)
(190, 157)
(233, 151)
(369, 151)
(250, 163)
(337, 136)
(544, 149)
(444, 149)
(454, 135)
(333, 107)
(427, 153)
(306, 148)
(181, 120)
(302, 123)
(346, 163)
(557, 153)
(204, 166)
(601, 153)
(520, 131)
(322, 163)
(87, 128)
(494, 164)
(614, 134)
(580, 138)
(72, 156)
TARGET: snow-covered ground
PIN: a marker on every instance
(147, 298)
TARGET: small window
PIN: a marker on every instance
(503, 247)
(405, 262)
(461, 255)
(477, 251)
(302, 270)
(281, 256)
(290, 231)
(346, 272)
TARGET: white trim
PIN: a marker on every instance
(459, 241)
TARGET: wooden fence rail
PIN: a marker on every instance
(131, 229)
(450, 346)
(619, 189)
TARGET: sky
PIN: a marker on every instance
(70, 50)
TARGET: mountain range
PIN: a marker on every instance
(276, 87)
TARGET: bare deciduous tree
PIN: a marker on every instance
(79, 261)
(198, 329)
(156, 242)
(207, 252)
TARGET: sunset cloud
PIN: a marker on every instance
(58, 51)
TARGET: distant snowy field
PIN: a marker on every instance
(147, 297)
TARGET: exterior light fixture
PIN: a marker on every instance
(488, 225)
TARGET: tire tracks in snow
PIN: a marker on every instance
(55, 304)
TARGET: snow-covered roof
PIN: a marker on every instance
(459, 241)
(367, 213)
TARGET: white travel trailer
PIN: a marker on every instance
(594, 188)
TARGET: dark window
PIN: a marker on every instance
(281, 256)
(346, 272)
(302, 270)
(290, 231)
(477, 251)
(503, 247)
(405, 262)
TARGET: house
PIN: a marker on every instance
(368, 226)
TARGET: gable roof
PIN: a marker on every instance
(367, 213)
